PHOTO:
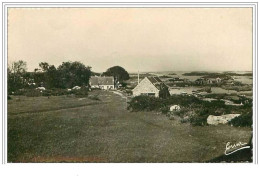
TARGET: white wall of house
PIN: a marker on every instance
(104, 87)
(94, 86)
(145, 87)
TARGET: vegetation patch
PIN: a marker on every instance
(192, 109)
(244, 120)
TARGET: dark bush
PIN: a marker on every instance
(244, 120)
(145, 103)
(83, 92)
(199, 120)
(165, 109)
(216, 96)
(47, 93)
(164, 92)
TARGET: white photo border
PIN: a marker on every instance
(6, 5)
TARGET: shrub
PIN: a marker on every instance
(83, 92)
(165, 109)
(217, 96)
(199, 120)
(196, 110)
(244, 120)
(185, 119)
(47, 93)
(145, 103)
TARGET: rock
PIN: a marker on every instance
(175, 108)
(40, 88)
(76, 88)
(223, 119)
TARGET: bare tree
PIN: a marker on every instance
(15, 72)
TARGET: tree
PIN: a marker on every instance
(164, 92)
(40, 76)
(52, 78)
(119, 73)
(73, 74)
(15, 73)
(18, 67)
(47, 75)
(44, 66)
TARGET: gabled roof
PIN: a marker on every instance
(157, 82)
(101, 80)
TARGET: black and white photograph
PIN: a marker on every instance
(129, 83)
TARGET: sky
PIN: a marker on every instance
(144, 39)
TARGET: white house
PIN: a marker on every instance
(105, 83)
(149, 86)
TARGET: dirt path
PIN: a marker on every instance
(119, 93)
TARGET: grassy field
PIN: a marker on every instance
(71, 129)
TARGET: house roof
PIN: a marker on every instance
(156, 82)
(101, 80)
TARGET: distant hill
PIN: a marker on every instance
(195, 73)
(239, 74)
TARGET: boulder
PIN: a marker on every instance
(76, 88)
(223, 119)
(40, 88)
(175, 108)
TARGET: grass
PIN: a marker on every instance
(69, 129)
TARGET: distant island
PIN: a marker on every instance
(195, 73)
